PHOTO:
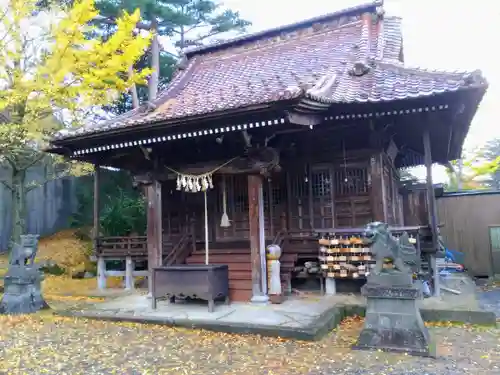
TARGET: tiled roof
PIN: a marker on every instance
(313, 60)
(384, 81)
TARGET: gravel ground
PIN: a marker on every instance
(45, 344)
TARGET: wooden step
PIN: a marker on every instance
(302, 241)
(240, 284)
(288, 257)
(241, 266)
(240, 275)
(312, 239)
(312, 256)
(294, 248)
(301, 248)
(200, 245)
(219, 258)
(222, 251)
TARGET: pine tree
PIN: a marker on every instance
(186, 23)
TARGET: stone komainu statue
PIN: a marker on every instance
(25, 253)
(384, 245)
(22, 282)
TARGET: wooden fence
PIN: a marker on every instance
(468, 218)
(49, 207)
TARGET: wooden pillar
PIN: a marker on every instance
(431, 207)
(262, 239)
(97, 203)
(154, 228)
(129, 273)
(101, 264)
(310, 200)
(377, 188)
(101, 273)
(256, 224)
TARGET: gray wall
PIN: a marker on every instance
(49, 207)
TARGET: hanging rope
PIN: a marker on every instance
(191, 183)
(224, 221)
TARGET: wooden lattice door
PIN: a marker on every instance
(237, 207)
(275, 204)
(352, 199)
(298, 199)
(174, 212)
(321, 191)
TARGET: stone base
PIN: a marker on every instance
(390, 279)
(22, 291)
(393, 322)
(276, 298)
(260, 299)
(13, 304)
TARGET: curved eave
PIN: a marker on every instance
(313, 103)
(175, 122)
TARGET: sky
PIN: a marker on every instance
(437, 34)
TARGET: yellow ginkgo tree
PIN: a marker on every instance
(54, 67)
(478, 171)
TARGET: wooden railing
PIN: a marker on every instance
(121, 247)
(280, 237)
(300, 234)
(181, 250)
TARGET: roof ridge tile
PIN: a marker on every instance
(356, 9)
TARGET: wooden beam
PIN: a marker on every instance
(256, 161)
(431, 207)
(254, 212)
(154, 228)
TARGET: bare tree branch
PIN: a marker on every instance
(7, 185)
(34, 161)
(36, 184)
(11, 162)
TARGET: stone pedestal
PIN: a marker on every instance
(330, 286)
(273, 254)
(393, 321)
(22, 291)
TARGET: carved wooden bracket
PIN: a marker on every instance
(145, 179)
(304, 119)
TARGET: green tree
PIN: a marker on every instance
(122, 205)
(460, 177)
(486, 162)
(479, 170)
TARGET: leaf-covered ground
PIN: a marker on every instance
(45, 344)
